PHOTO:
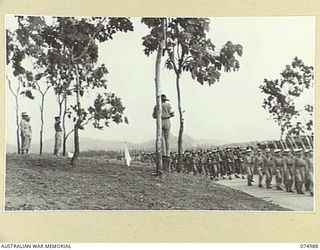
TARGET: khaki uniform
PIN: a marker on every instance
(167, 113)
(278, 171)
(309, 173)
(249, 164)
(287, 162)
(26, 134)
(57, 138)
(268, 166)
(300, 168)
(259, 167)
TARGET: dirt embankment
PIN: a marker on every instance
(46, 183)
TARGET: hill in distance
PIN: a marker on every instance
(87, 144)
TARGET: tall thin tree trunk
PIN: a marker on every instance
(64, 146)
(181, 120)
(42, 123)
(16, 96)
(78, 122)
(18, 125)
(159, 163)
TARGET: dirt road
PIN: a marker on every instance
(292, 201)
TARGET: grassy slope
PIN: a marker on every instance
(46, 183)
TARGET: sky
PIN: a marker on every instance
(230, 110)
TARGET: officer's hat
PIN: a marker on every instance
(307, 150)
(287, 150)
(24, 114)
(164, 98)
(276, 150)
(296, 150)
(249, 150)
(268, 150)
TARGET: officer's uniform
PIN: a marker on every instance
(25, 133)
(57, 136)
(259, 167)
(309, 172)
(278, 163)
(287, 162)
(167, 113)
(249, 163)
(300, 167)
(268, 166)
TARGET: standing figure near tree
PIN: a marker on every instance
(57, 136)
(25, 132)
(167, 113)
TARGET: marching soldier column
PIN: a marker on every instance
(286, 169)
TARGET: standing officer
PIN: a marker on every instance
(25, 132)
(167, 113)
(58, 136)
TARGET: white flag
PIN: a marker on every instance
(127, 155)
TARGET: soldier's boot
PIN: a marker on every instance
(307, 185)
(311, 193)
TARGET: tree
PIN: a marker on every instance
(157, 26)
(14, 57)
(30, 39)
(189, 50)
(283, 93)
(73, 42)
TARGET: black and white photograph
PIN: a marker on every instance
(159, 113)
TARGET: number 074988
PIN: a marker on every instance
(309, 245)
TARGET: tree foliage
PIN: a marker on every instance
(282, 94)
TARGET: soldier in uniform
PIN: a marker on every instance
(309, 170)
(229, 163)
(222, 168)
(25, 133)
(299, 168)
(249, 162)
(258, 163)
(58, 136)
(241, 163)
(287, 163)
(278, 163)
(236, 157)
(268, 166)
(167, 113)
